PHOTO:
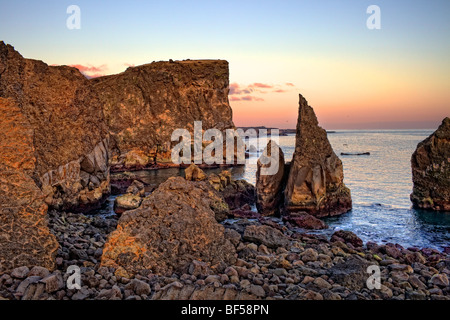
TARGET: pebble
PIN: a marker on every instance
(300, 270)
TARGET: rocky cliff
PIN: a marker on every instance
(144, 104)
(315, 182)
(53, 152)
(431, 170)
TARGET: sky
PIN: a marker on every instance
(354, 77)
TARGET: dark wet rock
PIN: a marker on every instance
(239, 193)
(347, 237)
(305, 221)
(431, 170)
(266, 235)
(351, 273)
(20, 272)
(139, 287)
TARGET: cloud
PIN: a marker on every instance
(90, 71)
(128, 64)
(290, 84)
(234, 89)
(261, 85)
(251, 98)
(249, 92)
(246, 98)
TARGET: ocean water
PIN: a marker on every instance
(380, 184)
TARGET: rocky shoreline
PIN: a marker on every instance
(273, 262)
(63, 135)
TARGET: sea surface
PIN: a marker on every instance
(380, 184)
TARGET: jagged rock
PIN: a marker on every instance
(144, 104)
(126, 202)
(431, 170)
(269, 188)
(315, 183)
(173, 226)
(194, 173)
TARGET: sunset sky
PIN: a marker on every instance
(395, 77)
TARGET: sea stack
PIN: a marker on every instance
(269, 188)
(431, 170)
(315, 183)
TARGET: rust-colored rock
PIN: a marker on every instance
(25, 239)
(64, 127)
(144, 104)
(173, 226)
(53, 151)
(194, 173)
(315, 182)
(269, 188)
(431, 170)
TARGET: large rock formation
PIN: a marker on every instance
(53, 151)
(67, 137)
(315, 182)
(144, 104)
(174, 226)
(269, 188)
(431, 170)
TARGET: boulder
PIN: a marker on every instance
(351, 274)
(347, 237)
(173, 226)
(305, 221)
(269, 187)
(136, 188)
(126, 202)
(236, 193)
(194, 173)
(315, 182)
(430, 164)
(266, 235)
(239, 193)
